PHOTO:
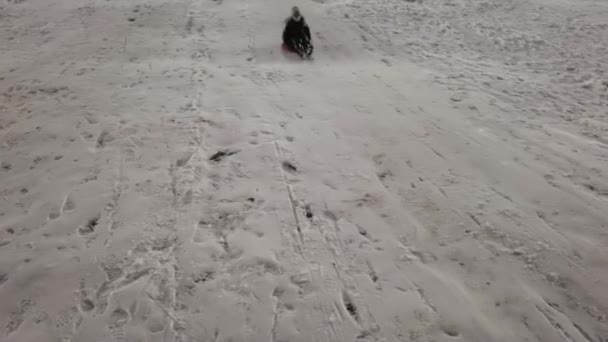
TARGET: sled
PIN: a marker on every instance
(304, 53)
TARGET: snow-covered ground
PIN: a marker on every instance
(438, 173)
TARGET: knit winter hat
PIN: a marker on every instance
(295, 13)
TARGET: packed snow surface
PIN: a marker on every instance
(438, 172)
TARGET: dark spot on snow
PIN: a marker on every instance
(104, 138)
(594, 189)
(372, 273)
(385, 174)
(24, 190)
(450, 330)
(251, 199)
(87, 305)
(289, 167)
(308, 211)
(90, 226)
(456, 98)
(362, 231)
(202, 277)
(475, 219)
(131, 19)
(93, 222)
(350, 306)
(219, 155)
(374, 277)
